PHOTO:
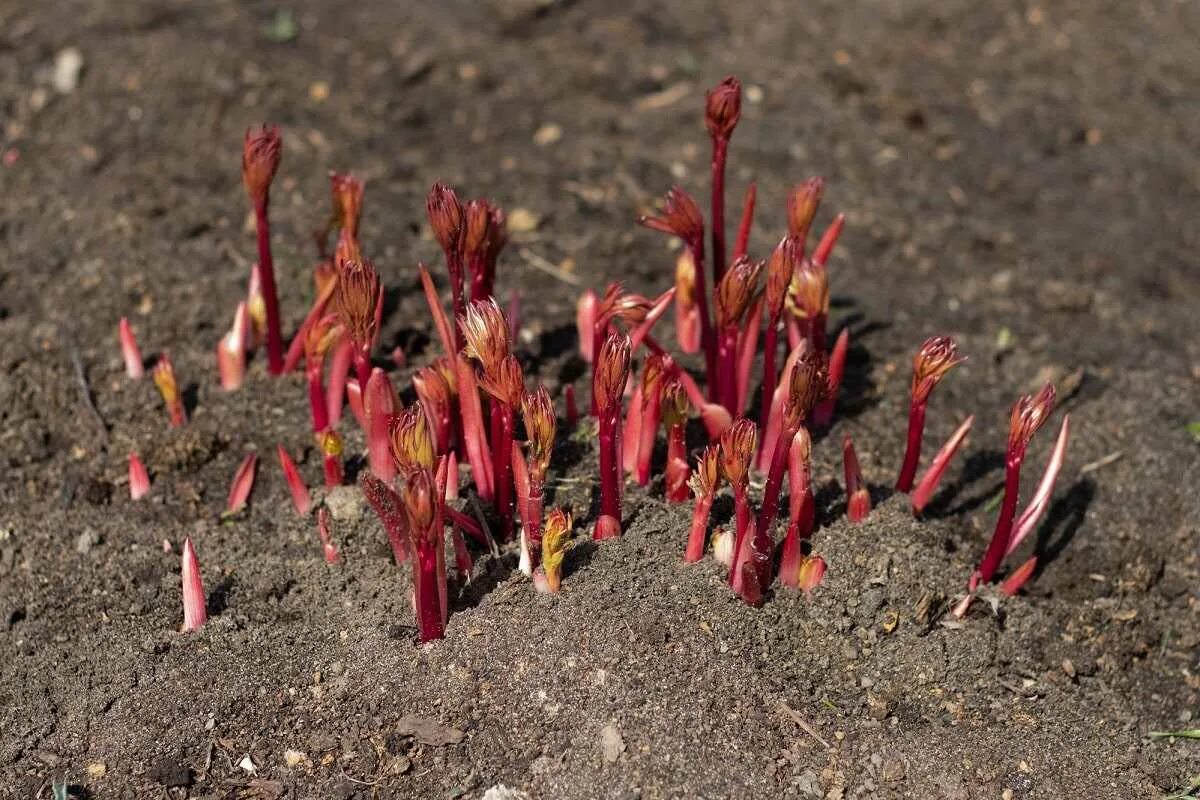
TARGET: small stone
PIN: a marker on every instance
(68, 64)
(97, 769)
(548, 134)
(400, 765)
(85, 541)
(502, 792)
(611, 743)
(247, 765)
(294, 758)
(522, 220)
(345, 503)
(318, 92)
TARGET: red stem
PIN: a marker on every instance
(747, 349)
(678, 471)
(769, 376)
(912, 453)
(1004, 524)
(651, 414)
(502, 468)
(779, 460)
(425, 589)
(695, 544)
(610, 473)
(726, 382)
(266, 273)
(741, 512)
(720, 150)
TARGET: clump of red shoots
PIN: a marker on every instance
(858, 499)
(194, 613)
(937, 356)
(608, 383)
(261, 152)
(134, 366)
(301, 500)
(139, 479)
(168, 388)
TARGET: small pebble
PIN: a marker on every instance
(548, 134)
(611, 743)
(68, 64)
(345, 503)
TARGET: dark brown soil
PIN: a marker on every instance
(1009, 171)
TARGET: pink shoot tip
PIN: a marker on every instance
(811, 572)
(134, 366)
(168, 388)
(858, 503)
(243, 483)
(139, 479)
(194, 614)
(231, 350)
(1020, 576)
(301, 500)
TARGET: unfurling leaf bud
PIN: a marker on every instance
(419, 494)
(706, 475)
(1028, 415)
(411, 442)
(780, 268)
(681, 217)
(445, 216)
(537, 409)
(477, 225)
(355, 299)
(736, 291)
(808, 387)
(675, 403)
(486, 333)
(809, 291)
(937, 356)
(738, 444)
(612, 370)
(802, 206)
(723, 108)
(261, 151)
(556, 541)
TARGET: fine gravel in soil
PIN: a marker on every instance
(1023, 177)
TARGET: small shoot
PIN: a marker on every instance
(301, 499)
(933, 476)
(937, 356)
(139, 479)
(609, 378)
(194, 613)
(168, 388)
(556, 541)
(243, 484)
(261, 153)
(858, 499)
(135, 368)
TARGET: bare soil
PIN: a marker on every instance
(1024, 177)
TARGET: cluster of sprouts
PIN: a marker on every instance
(474, 406)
